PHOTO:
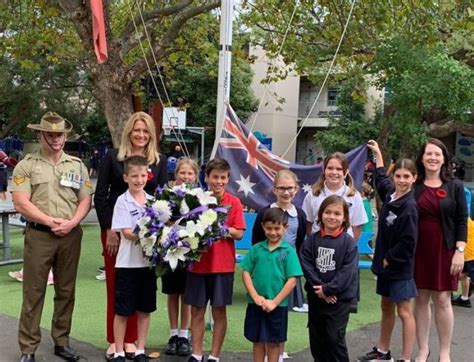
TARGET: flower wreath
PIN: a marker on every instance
(179, 224)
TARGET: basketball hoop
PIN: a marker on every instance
(167, 131)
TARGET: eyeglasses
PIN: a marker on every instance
(282, 189)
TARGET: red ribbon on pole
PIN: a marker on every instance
(98, 31)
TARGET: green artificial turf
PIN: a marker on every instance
(89, 314)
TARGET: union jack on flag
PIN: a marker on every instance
(253, 166)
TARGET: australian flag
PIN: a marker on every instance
(253, 166)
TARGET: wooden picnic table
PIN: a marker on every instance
(6, 210)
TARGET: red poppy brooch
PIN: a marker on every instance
(150, 175)
(441, 193)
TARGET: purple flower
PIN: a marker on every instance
(180, 193)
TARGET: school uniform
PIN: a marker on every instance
(329, 261)
(294, 235)
(135, 281)
(357, 214)
(269, 270)
(396, 241)
(212, 277)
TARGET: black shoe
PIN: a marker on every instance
(192, 359)
(109, 356)
(211, 360)
(375, 355)
(141, 358)
(461, 302)
(119, 359)
(184, 347)
(172, 346)
(27, 357)
(66, 353)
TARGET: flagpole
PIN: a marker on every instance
(225, 58)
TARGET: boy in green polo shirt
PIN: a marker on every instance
(269, 273)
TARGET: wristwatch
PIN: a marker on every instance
(460, 249)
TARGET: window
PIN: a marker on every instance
(332, 97)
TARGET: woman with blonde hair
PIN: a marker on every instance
(138, 138)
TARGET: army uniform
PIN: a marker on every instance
(56, 189)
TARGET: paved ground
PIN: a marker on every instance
(358, 342)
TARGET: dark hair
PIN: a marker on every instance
(334, 199)
(405, 163)
(132, 161)
(217, 164)
(275, 215)
(445, 172)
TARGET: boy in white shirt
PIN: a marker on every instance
(135, 283)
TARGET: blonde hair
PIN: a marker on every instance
(288, 174)
(187, 161)
(151, 149)
(319, 184)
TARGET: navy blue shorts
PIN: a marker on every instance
(469, 269)
(174, 282)
(261, 326)
(216, 288)
(397, 290)
(135, 290)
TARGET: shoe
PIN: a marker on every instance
(461, 302)
(193, 359)
(130, 356)
(285, 355)
(50, 279)
(27, 357)
(66, 353)
(109, 356)
(184, 347)
(172, 346)
(119, 359)
(101, 276)
(141, 358)
(101, 269)
(302, 309)
(18, 275)
(375, 355)
(211, 360)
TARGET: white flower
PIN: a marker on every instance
(193, 228)
(143, 229)
(205, 197)
(163, 210)
(147, 244)
(184, 208)
(173, 255)
(207, 218)
(193, 242)
(164, 234)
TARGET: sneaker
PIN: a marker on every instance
(101, 276)
(285, 355)
(141, 358)
(50, 278)
(172, 346)
(184, 347)
(18, 275)
(302, 309)
(461, 302)
(375, 355)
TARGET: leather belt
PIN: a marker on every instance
(39, 227)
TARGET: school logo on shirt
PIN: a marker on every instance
(390, 219)
(324, 261)
(134, 212)
(282, 256)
